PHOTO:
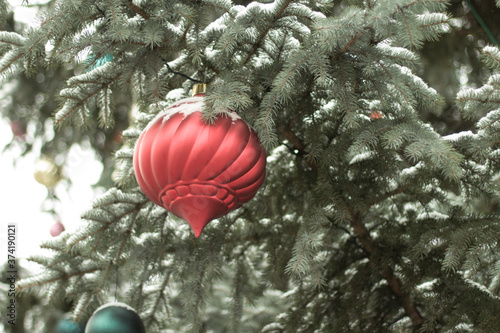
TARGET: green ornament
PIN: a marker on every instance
(114, 318)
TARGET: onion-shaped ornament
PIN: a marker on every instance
(115, 318)
(198, 171)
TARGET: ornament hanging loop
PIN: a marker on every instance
(179, 73)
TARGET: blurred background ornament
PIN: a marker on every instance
(67, 325)
(375, 115)
(47, 172)
(56, 229)
(18, 129)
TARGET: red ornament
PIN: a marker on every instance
(18, 129)
(56, 229)
(375, 115)
(118, 137)
(198, 171)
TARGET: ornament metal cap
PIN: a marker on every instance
(200, 88)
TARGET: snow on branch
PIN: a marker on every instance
(491, 56)
(84, 89)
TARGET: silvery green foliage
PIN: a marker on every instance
(364, 223)
(3, 10)
(472, 241)
(482, 104)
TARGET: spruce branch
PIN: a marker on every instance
(138, 10)
(346, 96)
(8, 60)
(491, 56)
(390, 76)
(438, 4)
(264, 32)
(3, 12)
(412, 43)
(226, 9)
(83, 302)
(28, 284)
(159, 296)
(385, 270)
(73, 95)
(11, 38)
(390, 194)
(346, 46)
(312, 78)
(297, 144)
(473, 257)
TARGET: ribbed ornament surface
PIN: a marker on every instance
(198, 171)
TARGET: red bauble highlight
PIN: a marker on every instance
(198, 171)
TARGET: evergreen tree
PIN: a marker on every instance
(370, 219)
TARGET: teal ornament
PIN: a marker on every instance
(115, 318)
(93, 62)
(67, 325)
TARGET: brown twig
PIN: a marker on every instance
(138, 10)
(297, 144)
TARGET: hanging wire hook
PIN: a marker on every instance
(182, 74)
(116, 284)
(179, 73)
(482, 24)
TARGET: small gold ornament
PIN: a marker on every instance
(47, 172)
